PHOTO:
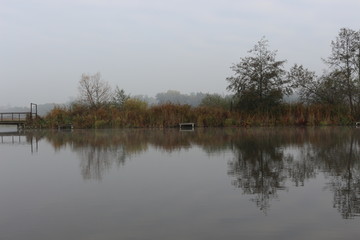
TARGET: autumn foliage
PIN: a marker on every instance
(137, 114)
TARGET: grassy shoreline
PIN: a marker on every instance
(170, 115)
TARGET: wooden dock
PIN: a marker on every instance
(18, 118)
(12, 118)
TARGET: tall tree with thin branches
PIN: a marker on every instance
(342, 60)
(94, 91)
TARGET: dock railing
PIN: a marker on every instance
(14, 117)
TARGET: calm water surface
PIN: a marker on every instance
(280, 183)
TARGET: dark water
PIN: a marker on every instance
(281, 183)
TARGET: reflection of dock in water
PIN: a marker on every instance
(19, 138)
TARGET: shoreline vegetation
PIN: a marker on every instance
(259, 86)
(170, 115)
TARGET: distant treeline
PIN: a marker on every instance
(258, 87)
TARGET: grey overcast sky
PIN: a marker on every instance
(151, 46)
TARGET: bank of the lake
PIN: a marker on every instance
(170, 115)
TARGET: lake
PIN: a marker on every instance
(257, 183)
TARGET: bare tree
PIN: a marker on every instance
(94, 91)
(356, 54)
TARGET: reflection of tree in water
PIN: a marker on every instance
(265, 160)
(258, 166)
(302, 167)
(344, 171)
(100, 150)
(335, 152)
(97, 160)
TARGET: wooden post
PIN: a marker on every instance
(32, 105)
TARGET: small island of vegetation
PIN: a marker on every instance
(259, 87)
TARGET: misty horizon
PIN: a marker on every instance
(149, 47)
